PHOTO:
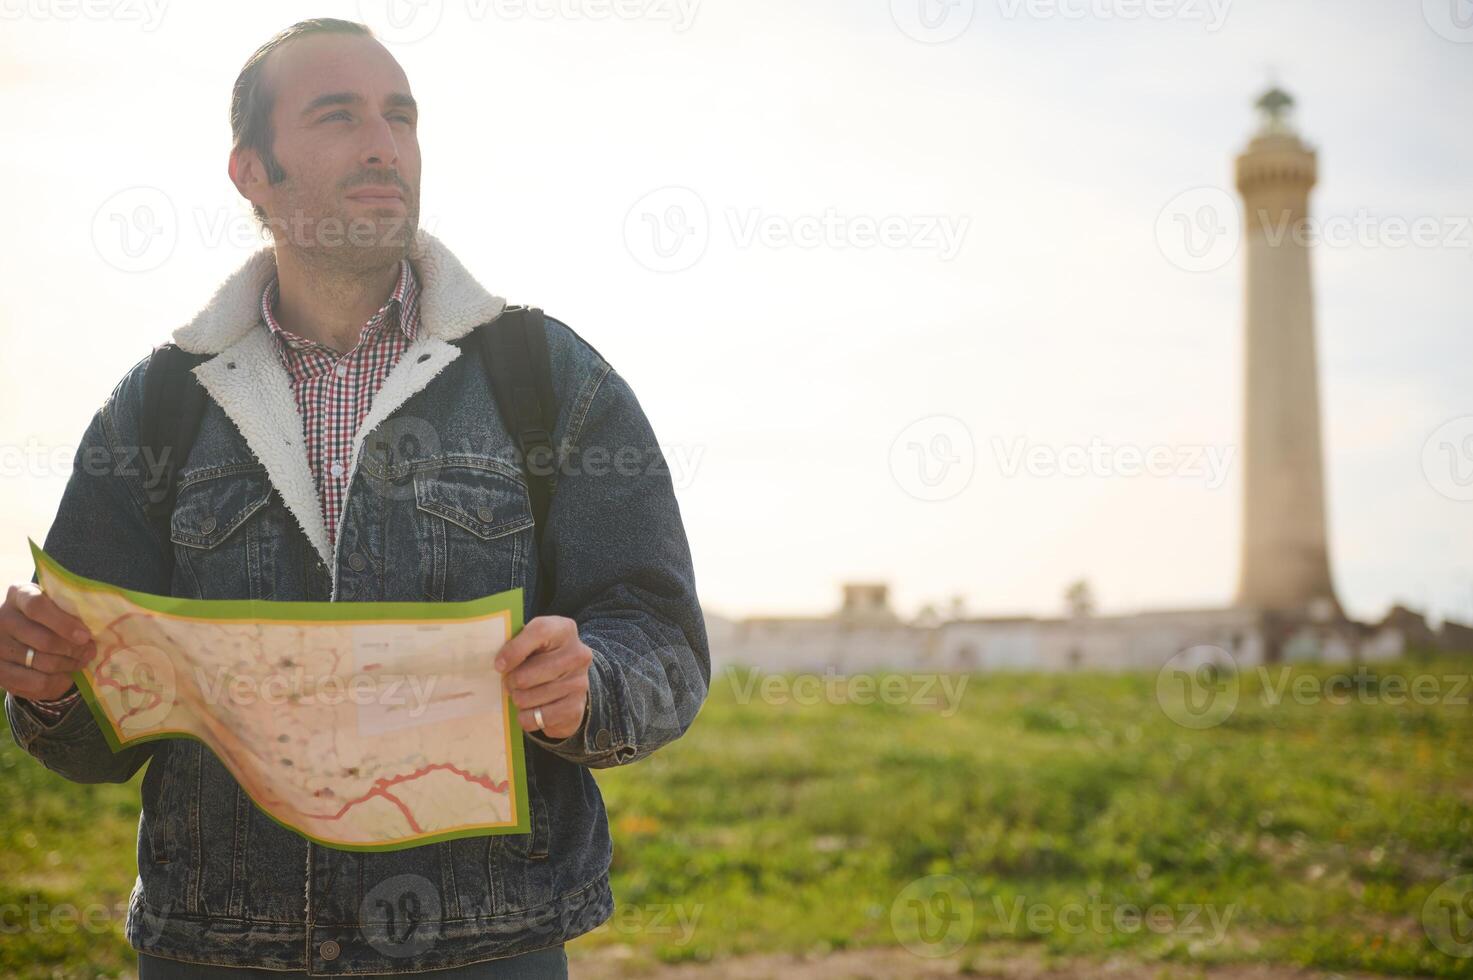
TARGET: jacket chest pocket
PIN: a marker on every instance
(475, 525)
(223, 548)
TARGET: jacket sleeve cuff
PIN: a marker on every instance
(70, 695)
(31, 720)
(50, 711)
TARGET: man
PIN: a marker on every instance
(326, 348)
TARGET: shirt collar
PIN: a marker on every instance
(402, 309)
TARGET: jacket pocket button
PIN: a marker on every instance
(602, 738)
(207, 525)
(329, 950)
(484, 513)
(357, 563)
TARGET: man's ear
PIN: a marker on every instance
(248, 174)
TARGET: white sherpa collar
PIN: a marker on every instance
(451, 302)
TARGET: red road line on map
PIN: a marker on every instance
(413, 824)
(103, 680)
(380, 786)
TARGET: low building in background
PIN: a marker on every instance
(865, 634)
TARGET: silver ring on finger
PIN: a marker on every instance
(537, 715)
(30, 656)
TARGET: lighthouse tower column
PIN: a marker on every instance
(1285, 561)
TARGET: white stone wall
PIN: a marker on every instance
(1142, 642)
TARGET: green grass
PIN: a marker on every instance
(67, 864)
(1312, 832)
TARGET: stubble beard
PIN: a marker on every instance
(330, 238)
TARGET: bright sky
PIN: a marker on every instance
(1024, 160)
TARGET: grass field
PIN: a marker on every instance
(1326, 822)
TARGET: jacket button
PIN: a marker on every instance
(357, 563)
(329, 950)
(484, 513)
(602, 738)
(207, 525)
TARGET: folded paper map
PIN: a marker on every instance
(365, 726)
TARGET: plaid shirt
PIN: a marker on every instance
(334, 392)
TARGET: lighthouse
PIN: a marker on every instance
(1285, 567)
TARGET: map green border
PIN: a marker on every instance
(259, 610)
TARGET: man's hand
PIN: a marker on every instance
(546, 666)
(30, 620)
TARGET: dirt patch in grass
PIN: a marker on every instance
(896, 964)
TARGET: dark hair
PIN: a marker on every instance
(252, 99)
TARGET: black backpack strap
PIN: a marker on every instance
(173, 404)
(514, 356)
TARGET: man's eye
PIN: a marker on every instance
(403, 117)
(340, 112)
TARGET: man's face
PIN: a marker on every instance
(346, 135)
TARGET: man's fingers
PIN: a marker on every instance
(46, 663)
(544, 631)
(23, 632)
(549, 665)
(75, 657)
(560, 719)
(41, 608)
(33, 684)
(549, 693)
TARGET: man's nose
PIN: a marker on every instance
(381, 150)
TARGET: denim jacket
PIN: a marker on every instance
(437, 509)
